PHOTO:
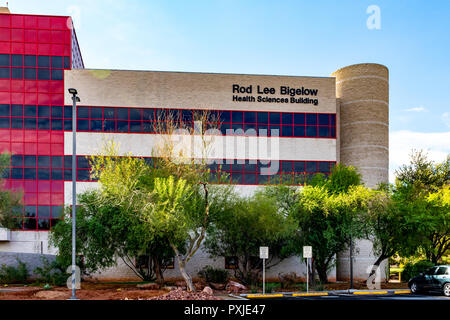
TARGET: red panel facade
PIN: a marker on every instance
(34, 51)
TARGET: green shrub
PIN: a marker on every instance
(210, 274)
(300, 287)
(287, 280)
(318, 287)
(272, 287)
(253, 289)
(413, 269)
(10, 274)
(52, 273)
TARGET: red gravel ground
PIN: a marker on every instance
(37, 293)
(184, 295)
(101, 291)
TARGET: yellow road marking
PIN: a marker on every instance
(402, 291)
(310, 294)
(370, 292)
(264, 295)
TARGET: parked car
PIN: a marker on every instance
(435, 278)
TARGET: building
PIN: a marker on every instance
(309, 124)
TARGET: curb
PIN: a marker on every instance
(275, 295)
(372, 292)
(237, 297)
(310, 294)
(325, 293)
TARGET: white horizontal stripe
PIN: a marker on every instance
(366, 100)
(364, 122)
(375, 168)
(365, 146)
(221, 147)
(363, 77)
(81, 188)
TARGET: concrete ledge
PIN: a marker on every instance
(237, 297)
(5, 234)
(31, 260)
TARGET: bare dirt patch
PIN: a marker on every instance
(61, 293)
(102, 291)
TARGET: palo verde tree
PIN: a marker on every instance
(246, 224)
(181, 160)
(172, 199)
(107, 224)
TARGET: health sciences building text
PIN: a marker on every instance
(264, 92)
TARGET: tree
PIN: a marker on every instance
(422, 175)
(173, 197)
(106, 227)
(244, 226)
(326, 221)
(420, 185)
(9, 200)
(185, 162)
(391, 226)
(438, 244)
(340, 179)
(181, 210)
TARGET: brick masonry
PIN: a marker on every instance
(363, 94)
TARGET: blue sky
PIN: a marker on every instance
(312, 38)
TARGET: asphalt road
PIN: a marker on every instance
(429, 296)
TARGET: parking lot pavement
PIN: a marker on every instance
(376, 297)
(350, 296)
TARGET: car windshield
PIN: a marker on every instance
(441, 271)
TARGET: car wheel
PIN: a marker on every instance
(446, 289)
(414, 288)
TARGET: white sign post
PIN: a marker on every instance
(307, 253)
(264, 254)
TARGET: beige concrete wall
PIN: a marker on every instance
(201, 259)
(28, 242)
(155, 89)
(227, 147)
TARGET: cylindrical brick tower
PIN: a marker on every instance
(363, 97)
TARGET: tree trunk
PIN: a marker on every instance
(158, 271)
(322, 272)
(181, 264)
(313, 272)
(187, 278)
(376, 265)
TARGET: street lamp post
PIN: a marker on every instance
(351, 262)
(75, 99)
